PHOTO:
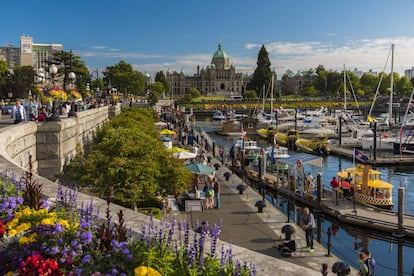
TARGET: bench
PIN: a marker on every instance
(254, 173)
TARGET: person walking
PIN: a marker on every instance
(18, 112)
(366, 263)
(308, 224)
(335, 186)
(345, 185)
(216, 188)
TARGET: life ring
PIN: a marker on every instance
(299, 163)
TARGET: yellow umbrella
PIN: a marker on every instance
(166, 131)
(177, 149)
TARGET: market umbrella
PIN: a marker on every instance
(184, 155)
(166, 131)
(178, 149)
(199, 168)
(161, 124)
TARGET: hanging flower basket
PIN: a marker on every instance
(58, 94)
(75, 94)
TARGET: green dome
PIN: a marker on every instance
(220, 53)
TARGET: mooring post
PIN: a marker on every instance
(329, 244)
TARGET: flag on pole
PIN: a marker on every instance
(360, 156)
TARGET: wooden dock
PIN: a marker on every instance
(388, 160)
(343, 210)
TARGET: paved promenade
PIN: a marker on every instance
(242, 225)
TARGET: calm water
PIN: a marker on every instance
(347, 242)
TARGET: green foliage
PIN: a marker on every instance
(124, 78)
(160, 77)
(250, 94)
(262, 75)
(128, 159)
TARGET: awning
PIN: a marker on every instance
(304, 159)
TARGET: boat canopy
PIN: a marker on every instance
(304, 158)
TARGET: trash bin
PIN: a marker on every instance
(216, 166)
(227, 176)
(260, 205)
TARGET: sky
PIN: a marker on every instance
(183, 34)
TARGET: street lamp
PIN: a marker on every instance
(72, 79)
(53, 71)
(10, 76)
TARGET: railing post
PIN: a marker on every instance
(329, 244)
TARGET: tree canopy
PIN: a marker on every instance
(124, 78)
(128, 160)
(262, 75)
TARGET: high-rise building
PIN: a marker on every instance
(11, 55)
(219, 78)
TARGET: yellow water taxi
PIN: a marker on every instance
(367, 186)
(317, 145)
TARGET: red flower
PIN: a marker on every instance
(36, 265)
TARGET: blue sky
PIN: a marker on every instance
(179, 35)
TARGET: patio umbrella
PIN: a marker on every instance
(166, 131)
(199, 168)
(184, 155)
(178, 149)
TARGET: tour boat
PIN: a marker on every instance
(367, 186)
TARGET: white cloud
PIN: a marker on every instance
(364, 54)
(98, 47)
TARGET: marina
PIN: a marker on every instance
(348, 238)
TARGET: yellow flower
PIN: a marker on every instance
(25, 212)
(23, 227)
(146, 271)
(10, 273)
(48, 221)
(64, 223)
(12, 224)
(12, 233)
(27, 240)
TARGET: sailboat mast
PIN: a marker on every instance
(271, 94)
(344, 90)
(392, 84)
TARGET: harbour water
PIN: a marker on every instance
(394, 257)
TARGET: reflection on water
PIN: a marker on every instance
(347, 241)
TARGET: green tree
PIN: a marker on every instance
(160, 77)
(369, 83)
(124, 78)
(23, 81)
(125, 160)
(250, 94)
(191, 94)
(262, 75)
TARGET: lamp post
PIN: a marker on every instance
(10, 76)
(53, 71)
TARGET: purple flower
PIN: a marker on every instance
(86, 259)
(86, 237)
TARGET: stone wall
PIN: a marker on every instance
(53, 144)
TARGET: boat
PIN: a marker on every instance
(219, 116)
(277, 152)
(316, 145)
(265, 132)
(367, 186)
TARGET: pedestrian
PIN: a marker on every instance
(18, 112)
(334, 186)
(310, 181)
(308, 224)
(216, 188)
(366, 263)
(345, 185)
(209, 195)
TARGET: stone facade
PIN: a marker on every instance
(219, 78)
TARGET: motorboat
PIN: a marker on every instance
(316, 145)
(367, 186)
(219, 116)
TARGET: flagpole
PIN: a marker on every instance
(353, 159)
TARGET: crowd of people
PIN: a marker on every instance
(23, 111)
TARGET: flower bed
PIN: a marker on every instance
(54, 237)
